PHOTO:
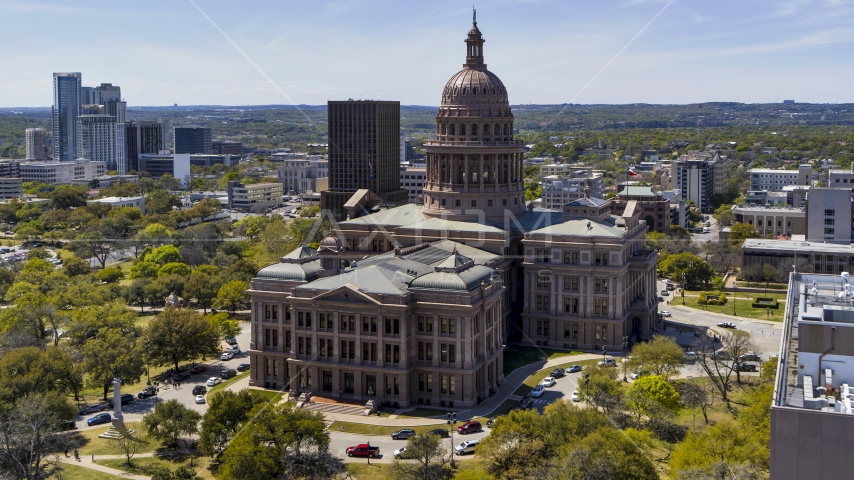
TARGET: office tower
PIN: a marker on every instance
(67, 96)
(141, 138)
(100, 138)
(35, 144)
(364, 152)
(110, 97)
(193, 140)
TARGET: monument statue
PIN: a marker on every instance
(117, 429)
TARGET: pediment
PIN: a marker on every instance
(346, 293)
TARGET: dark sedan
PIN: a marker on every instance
(557, 373)
(243, 367)
(94, 408)
(440, 432)
(125, 399)
(99, 419)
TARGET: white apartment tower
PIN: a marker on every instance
(35, 144)
(67, 98)
(100, 138)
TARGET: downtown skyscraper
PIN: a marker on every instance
(67, 97)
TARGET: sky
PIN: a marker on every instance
(222, 52)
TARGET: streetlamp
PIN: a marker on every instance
(587, 389)
(452, 420)
(683, 288)
(604, 352)
(734, 293)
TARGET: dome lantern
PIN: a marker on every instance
(474, 43)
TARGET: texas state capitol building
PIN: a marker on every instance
(414, 304)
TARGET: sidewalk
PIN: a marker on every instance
(723, 315)
(86, 462)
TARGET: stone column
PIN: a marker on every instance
(117, 398)
(480, 176)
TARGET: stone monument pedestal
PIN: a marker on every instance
(117, 429)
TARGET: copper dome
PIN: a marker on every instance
(474, 87)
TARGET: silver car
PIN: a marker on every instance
(466, 447)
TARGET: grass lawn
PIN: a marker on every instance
(221, 386)
(148, 465)
(538, 377)
(743, 306)
(103, 446)
(74, 472)
(516, 356)
(381, 471)
(143, 318)
(421, 412)
(363, 429)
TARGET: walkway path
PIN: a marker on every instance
(86, 462)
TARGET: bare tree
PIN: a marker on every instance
(697, 394)
(429, 460)
(712, 362)
(129, 445)
(736, 346)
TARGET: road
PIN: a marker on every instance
(712, 236)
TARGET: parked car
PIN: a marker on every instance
(573, 369)
(226, 374)
(199, 390)
(749, 357)
(670, 286)
(235, 349)
(226, 356)
(99, 419)
(492, 420)
(363, 450)
(66, 425)
(664, 293)
(576, 397)
(181, 377)
(200, 399)
(469, 427)
(231, 341)
(94, 408)
(213, 381)
(690, 356)
(148, 391)
(243, 367)
(466, 447)
(660, 299)
(403, 434)
(526, 403)
(402, 452)
(557, 373)
(744, 367)
(726, 325)
(548, 382)
(634, 375)
(440, 432)
(124, 399)
(198, 369)
(665, 313)
(608, 362)
(538, 391)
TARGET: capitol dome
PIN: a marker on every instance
(474, 87)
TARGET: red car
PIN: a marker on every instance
(363, 450)
(198, 369)
(469, 427)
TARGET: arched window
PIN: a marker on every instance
(474, 91)
(486, 129)
(506, 129)
(444, 173)
(504, 176)
(462, 129)
(461, 172)
(474, 130)
(487, 174)
(442, 129)
(474, 174)
(497, 129)
(453, 129)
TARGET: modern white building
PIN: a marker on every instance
(699, 175)
(101, 139)
(255, 198)
(412, 179)
(829, 214)
(838, 178)
(62, 173)
(559, 190)
(35, 138)
(108, 95)
(774, 180)
(116, 202)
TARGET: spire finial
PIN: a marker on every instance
(473, 14)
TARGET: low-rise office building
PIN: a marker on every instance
(62, 173)
(300, 175)
(829, 215)
(118, 202)
(772, 220)
(203, 160)
(254, 198)
(177, 165)
(11, 187)
(774, 180)
(561, 189)
(412, 179)
(808, 257)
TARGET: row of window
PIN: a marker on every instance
(570, 284)
(447, 352)
(600, 259)
(570, 304)
(425, 383)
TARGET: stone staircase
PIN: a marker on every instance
(335, 408)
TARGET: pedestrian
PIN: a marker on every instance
(66, 453)
(76, 455)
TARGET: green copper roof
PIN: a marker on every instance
(463, 281)
(290, 271)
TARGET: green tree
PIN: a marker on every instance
(171, 420)
(688, 266)
(161, 202)
(514, 447)
(174, 268)
(164, 254)
(66, 197)
(232, 294)
(605, 454)
(659, 356)
(144, 269)
(651, 396)
(281, 442)
(31, 371)
(177, 335)
(723, 215)
(137, 293)
(111, 348)
(274, 237)
(111, 275)
(93, 244)
(227, 412)
(725, 441)
(429, 460)
(73, 266)
(739, 232)
(181, 473)
(225, 326)
(203, 288)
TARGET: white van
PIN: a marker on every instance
(705, 229)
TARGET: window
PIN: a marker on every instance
(828, 231)
(474, 203)
(570, 305)
(392, 353)
(348, 349)
(444, 384)
(544, 280)
(392, 387)
(601, 332)
(601, 307)
(504, 202)
(271, 313)
(369, 325)
(456, 203)
(570, 284)
(542, 256)
(392, 326)
(267, 366)
(308, 320)
(829, 221)
(601, 259)
(542, 302)
(449, 326)
(601, 285)
(570, 258)
(287, 339)
(570, 330)
(288, 314)
(451, 385)
(489, 203)
(543, 327)
(369, 351)
(300, 319)
(829, 213)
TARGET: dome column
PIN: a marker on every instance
(480, 174)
